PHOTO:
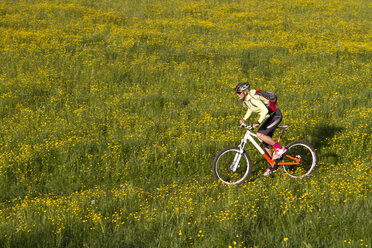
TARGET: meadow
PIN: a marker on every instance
(112, 112)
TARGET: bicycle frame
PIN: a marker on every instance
(249, 137)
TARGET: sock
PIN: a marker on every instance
(277, 146)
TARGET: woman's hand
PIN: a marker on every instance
(241, 122)
(255, 125)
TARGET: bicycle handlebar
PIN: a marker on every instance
(246, 126)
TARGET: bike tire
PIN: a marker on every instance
(222, 166)
(304, 151)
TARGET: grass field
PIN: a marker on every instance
(112, 113)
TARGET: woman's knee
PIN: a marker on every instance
(260, 135)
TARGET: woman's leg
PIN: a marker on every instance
(266, 131)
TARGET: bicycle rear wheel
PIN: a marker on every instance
(300, 159)
(228, 172)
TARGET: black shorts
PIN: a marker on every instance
(271, 123)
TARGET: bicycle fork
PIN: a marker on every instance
(235, 164)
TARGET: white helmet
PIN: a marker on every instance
(242, 87)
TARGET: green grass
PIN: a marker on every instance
(112, 113)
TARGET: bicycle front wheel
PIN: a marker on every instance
(299, 160)
(230, 167)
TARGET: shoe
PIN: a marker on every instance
(279, 153)
(267, 172)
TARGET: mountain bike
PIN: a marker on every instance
(232, 165)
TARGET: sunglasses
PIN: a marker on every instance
(239, 92)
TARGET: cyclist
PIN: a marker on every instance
(268, 120)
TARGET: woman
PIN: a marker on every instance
(268, 120)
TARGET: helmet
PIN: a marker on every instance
(242, 87)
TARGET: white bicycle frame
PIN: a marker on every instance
(249, 137)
